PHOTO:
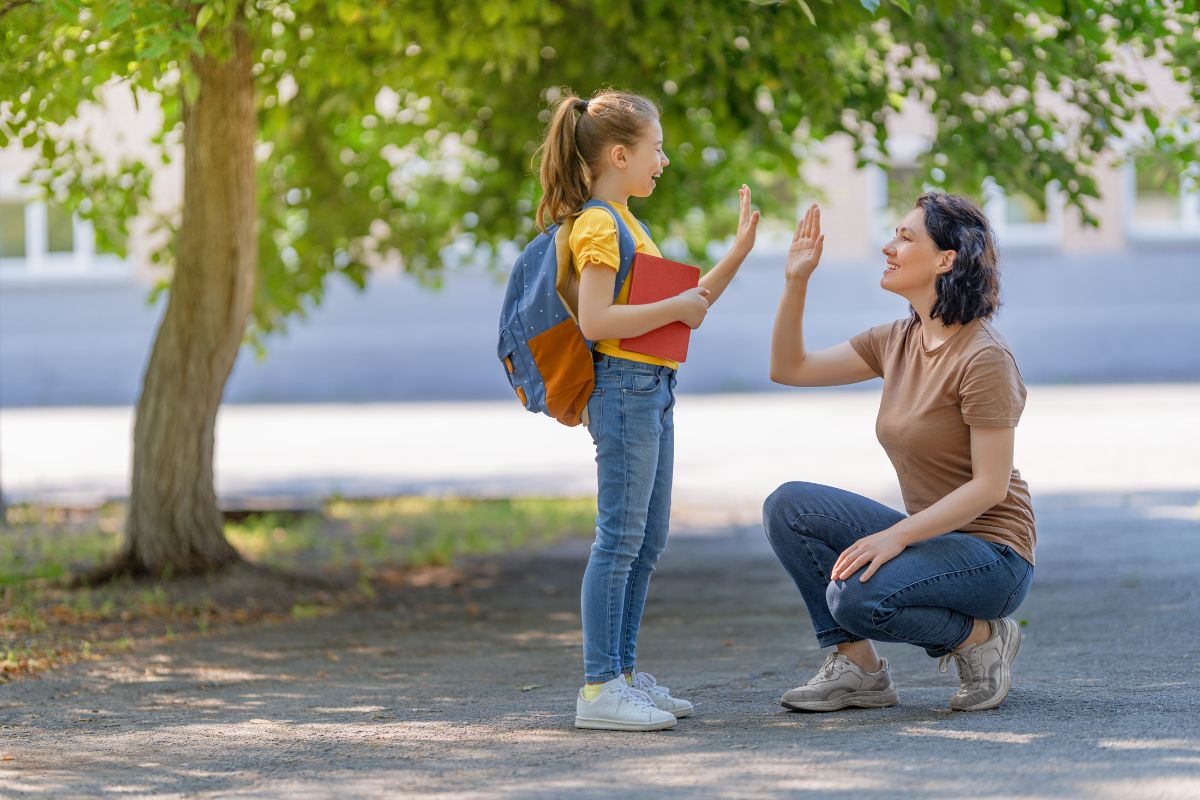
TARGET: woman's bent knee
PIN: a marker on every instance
(850, 605)
(785, 503)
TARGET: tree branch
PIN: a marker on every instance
(11, 4)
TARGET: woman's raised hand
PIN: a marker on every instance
(747, 228)
(805, 251)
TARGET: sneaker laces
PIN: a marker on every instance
(833, 663)
(646, 682)
(636, 696)
(963, 661)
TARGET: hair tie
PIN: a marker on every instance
(581, 106)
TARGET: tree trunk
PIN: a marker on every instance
(174, 525)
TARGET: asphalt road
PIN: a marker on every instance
(465, 690)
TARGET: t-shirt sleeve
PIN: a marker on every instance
(594, 239)
(992, 391)
(871, 345)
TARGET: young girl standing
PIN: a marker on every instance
(610, 148)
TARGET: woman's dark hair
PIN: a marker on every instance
(971, 289)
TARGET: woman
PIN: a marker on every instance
(946, 576)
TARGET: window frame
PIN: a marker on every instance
(1187, 229)
(82, 262)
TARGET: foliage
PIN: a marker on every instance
(356, 548)
(404, 131)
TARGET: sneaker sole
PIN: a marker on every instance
(685, 712)
(883, 699)
(1006, 682)
(615, 725)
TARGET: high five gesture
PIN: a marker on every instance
(805, 251)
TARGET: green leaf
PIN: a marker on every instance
(118, 15)
(204, 17)
(812, 20)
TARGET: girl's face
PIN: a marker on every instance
(644, 162)
(913, 260)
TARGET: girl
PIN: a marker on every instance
(946, 576)
(610, 148)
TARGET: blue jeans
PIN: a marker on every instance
(928, 596)
(632, 425)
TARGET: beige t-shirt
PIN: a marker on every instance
(931, 398)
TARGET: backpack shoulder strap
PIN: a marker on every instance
(626, 246)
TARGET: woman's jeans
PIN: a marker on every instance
(631, 422)
(929, 595)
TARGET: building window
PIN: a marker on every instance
(904, 186)
(1020, 221)
(1163, 200)
(41, 240)
(1021, 209)
(12, 230)
(60, 230)
(895, 188)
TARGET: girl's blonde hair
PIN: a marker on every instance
(579, 132)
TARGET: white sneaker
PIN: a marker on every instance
(661, 695)
(620, 707)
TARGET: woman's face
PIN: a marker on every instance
(913, 260)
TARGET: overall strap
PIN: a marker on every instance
(626, 246)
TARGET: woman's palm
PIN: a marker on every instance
(807, 244)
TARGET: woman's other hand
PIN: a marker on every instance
(870, 551)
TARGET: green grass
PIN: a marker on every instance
(360, 545)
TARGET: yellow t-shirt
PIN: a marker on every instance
(594, 239)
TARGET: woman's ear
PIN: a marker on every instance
(947, 262)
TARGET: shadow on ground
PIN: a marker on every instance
(465, 688)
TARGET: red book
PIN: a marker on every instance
(652, 279)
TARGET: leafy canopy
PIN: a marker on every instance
(393, 130)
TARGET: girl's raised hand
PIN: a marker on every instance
(747, 228)
(805, 251)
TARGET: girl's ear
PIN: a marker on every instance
(618, 156)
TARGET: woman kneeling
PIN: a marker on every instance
(945, 576)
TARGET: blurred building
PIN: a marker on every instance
(1146, 199)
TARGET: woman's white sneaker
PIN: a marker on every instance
(661, 695)
(621, 707)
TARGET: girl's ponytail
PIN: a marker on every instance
(573, 150)
(565, 184)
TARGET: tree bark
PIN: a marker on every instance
(174, 525)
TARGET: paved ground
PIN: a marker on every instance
(465, 690)
(731, 450)
(463, 687)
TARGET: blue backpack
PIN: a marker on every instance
(545, 356)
